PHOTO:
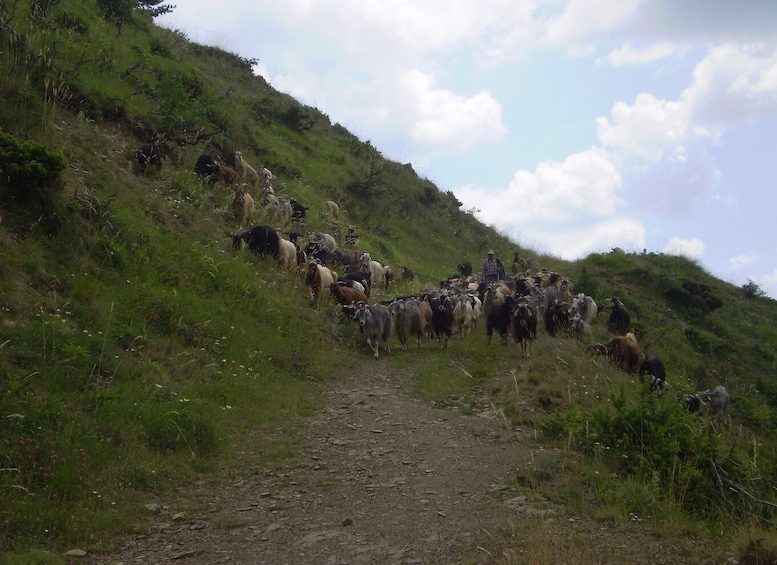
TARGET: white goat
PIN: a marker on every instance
(331, 208)
(267, 175)
(287, 253)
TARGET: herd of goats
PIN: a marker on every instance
(511, 307)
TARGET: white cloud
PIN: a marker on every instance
(582, 19)
(575, 244)
(647, 131)
(582, 189)
(740, 261)
(443, 118)
(691, 248)
(733, 83)
(568, 207)
(627, 54)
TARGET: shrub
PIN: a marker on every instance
(30, 177)
(693, 297)
(29, 171)
(752, 290)
(651, 438)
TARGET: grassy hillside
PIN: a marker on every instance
(137, 349)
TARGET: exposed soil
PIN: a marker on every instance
(384, 478)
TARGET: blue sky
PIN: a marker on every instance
(573, 126)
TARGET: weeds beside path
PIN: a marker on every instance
(382, 477)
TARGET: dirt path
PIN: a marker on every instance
(383, 479)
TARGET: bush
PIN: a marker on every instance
(654, 437)
(694, 298)
(30, 175)
(752, 290)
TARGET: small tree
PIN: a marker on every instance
(752, 290)
(154, 8)
(120, 11)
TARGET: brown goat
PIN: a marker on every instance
(346, 295)
(242, 205)
(225, 175)
(621, 350)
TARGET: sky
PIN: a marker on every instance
(571, 126)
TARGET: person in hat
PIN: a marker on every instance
(493, 270)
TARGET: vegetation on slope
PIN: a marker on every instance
(136, 347)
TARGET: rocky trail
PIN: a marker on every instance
(384, 478)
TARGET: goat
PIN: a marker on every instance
(389, 274)
(375, 324)
(464, 269)
(565, 291)
(557, 317)
(267, 175)
(519, 264)
(245, 172)
(262, 240)
(580, 328)
(524, 327)
(323, 239)
(463, 315)
(692, 402)
(499, 318)
(277, 209)
(268, 197)
(205, 165)
(619, 321)
(351, 237)
(492, 296)
(477, 310)
(148, 154)
(242, 205)
(319, 280)
(623, 352)
(332, 209)
(586, 307)
(719, 400)
(345, 258)
(376, 270)
(362, 278)
(407, 320)
(654, 367)
(345, 295)
(425, 308)
(350, 283)
(298, 211)
(287, 254)
(442, 318)
(225, 174)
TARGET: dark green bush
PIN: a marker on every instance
(587, 283)
(30, 175)
(692, 297)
